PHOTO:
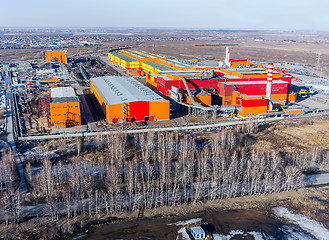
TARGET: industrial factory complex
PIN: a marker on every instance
(147, 88)
(247, 91)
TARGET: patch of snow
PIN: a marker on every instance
(183, 223)
(291, 233)
(217, 236)
(311, 226)
(236, 232)
(185, 236)
(257, 235)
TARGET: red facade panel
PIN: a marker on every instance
(253, 89)
(260, 89)
(253, 102)
(225, 90)
(139, 110)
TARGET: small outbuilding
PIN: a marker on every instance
(198, 232)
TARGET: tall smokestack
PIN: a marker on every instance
(269, 81)
(227, 58)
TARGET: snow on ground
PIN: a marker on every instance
(35, 153)
(257, 235)
(185, 236)
(311, 226)
(289, 232)
(293, 232)
(220, 237)
(2, 101)
(239, 233)
(183, 223)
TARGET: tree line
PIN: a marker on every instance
(151, 170)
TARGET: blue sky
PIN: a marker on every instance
(214, 14)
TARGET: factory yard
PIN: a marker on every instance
(286, 51)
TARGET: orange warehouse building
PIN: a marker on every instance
(64, 107)
(124, 99)
(55, 56)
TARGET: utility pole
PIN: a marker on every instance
(318, 60)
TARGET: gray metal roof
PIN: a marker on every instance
(117, 89)
(124, 57)
(197, 230)
(159, 66)
(63, 94)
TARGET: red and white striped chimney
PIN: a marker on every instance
(269, 81)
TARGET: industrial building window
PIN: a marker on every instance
(71, 107)
(59, 114)
(53, 107)
(64, 107)
(59, 107)
(54, 115)
(76, 106)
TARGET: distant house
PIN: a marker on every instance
(198, 232)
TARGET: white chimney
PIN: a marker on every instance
(269, 81)
(227, 58)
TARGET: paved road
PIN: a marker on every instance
(317, 179)
(10, 131)
(155, 129)
(121, 71)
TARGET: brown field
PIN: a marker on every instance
(298, 137)
(211, 45)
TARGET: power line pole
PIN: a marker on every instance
(318, 60)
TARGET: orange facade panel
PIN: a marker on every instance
(117, 111)
(204, 100)
(292, 97)
(159, 110)
(293, 111)
(99, 98)
(151, 81)
(64, 114)
(238, 64)
(226, 100)
(56, 56)
(49, 81)
(234, 96)
(252, 111)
